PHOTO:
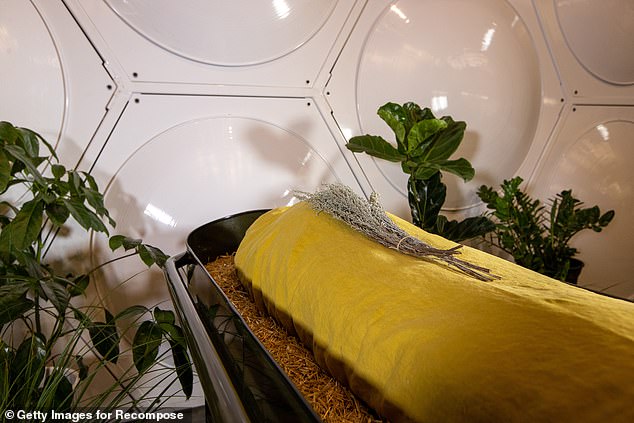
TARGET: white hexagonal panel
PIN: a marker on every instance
(482, 62)
(196, 159)
(282, 43)
(591, 154)
(52, 80)
(220, 33)
(31, 71)
(592, 41)
(209, 108)
(606, 50)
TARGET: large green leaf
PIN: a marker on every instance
(105, 338)
(32, 264)
(375, 146)
(132, 311)
(460, 167)
(414, 114)
(446, 142)
(183, 367)
(92, 184)
(174, 333)
(24, 229)
(605, 219)
(27, 370)
(49, 146)
(84, 216)
(30, 356)
(30, 142)
(62, 392)
(78, 284)
(57, 212)
(118, 241)
(164, 316)
(74, 184)
(176, 338)
(426, 170)
(151, 255)
(420, 135)
(145, 346)
(56, 293)
(96, 201)
(13, 302)
(58, 171)
(81, 367)
(30, 163)
(5, 171)
(394, 115)
(8, 133)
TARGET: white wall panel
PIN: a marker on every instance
(31, 71)
(198, 158)
(603, 51)
(239, 43)
(592, 43)
(591, 154)
(221, 33)
(173, 163)
(482, 62)
(52, 79)
(189, 111)
(240, 76)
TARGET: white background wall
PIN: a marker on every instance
(191, 110)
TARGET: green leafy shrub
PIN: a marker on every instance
(424, 145)
(45, 334)
(537, 236)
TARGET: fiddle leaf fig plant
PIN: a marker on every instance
(424, 145)
(537, 236)
(46, 332)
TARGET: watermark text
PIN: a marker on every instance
(80, 416)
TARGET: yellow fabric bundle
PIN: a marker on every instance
(419, 341)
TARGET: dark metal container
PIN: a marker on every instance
(240, 380)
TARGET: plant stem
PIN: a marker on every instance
(112, 261)
(38, 325)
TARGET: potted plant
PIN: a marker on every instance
(424, 146)
(537, 236)
(48, 337)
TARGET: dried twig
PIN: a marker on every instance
(369, 218)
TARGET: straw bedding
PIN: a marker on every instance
(332, 401)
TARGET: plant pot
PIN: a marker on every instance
(574, 271)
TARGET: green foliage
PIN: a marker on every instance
(536, 236)
(33, 373)
(424, 145)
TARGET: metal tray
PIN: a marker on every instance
(240, 380)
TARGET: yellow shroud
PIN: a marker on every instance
(419, 341)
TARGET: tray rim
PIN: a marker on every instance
(178, 288)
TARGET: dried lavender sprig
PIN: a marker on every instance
(369, 218)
